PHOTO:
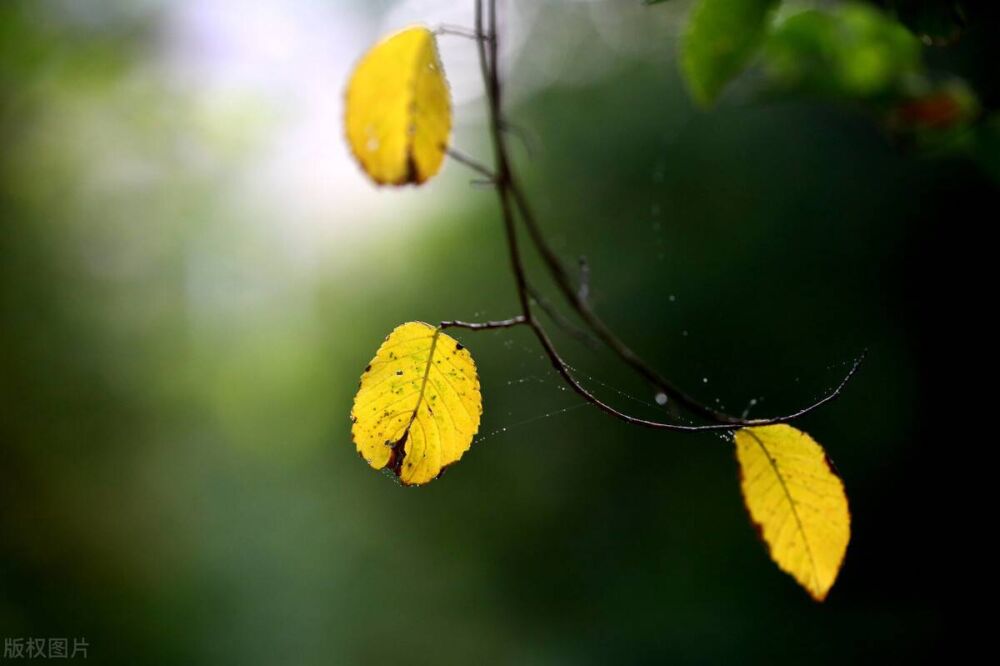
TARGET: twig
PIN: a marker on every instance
(483, 325)
(508, 188)
(562, 321)
(529, 142)
(488, 66)
(455, 31)
(462, 158)
(616, 344)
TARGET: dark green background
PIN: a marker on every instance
(180, 492)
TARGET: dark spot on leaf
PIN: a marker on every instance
(412, 175)
(458, 347)
(397, 454)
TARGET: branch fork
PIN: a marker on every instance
(512, 197)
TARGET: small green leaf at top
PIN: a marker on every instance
(721, 37)
(852, 51)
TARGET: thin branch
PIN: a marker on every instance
(462, 158)
(616, 344)
(507, 188)
(529, 142)
(455, 31)
(488, 67)
(562, 321)
(483, 325)
(606, 335)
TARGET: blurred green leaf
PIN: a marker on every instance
(851, 51)
(721, 37)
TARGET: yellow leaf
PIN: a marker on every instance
(796, 501)
(398, 113)
(418, 405)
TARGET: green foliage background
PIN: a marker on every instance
(177, 481)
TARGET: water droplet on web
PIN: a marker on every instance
(673, 298)
(661, 398)
(704, 380)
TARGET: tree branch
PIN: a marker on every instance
(508, 189)
(483, 325)
(562, 321)
(577, 299)
(462, 158)
(455, 30)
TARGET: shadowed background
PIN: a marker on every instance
(193, 274)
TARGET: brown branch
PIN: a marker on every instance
(607, 336)
(507, 188)
(562, 321)
(455, 31)
(579, 301)
(462, 158)
(483, 325)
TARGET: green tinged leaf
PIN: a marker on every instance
(721, 37)
(852, 51)
(858, 54)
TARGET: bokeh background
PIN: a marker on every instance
(193, 274)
